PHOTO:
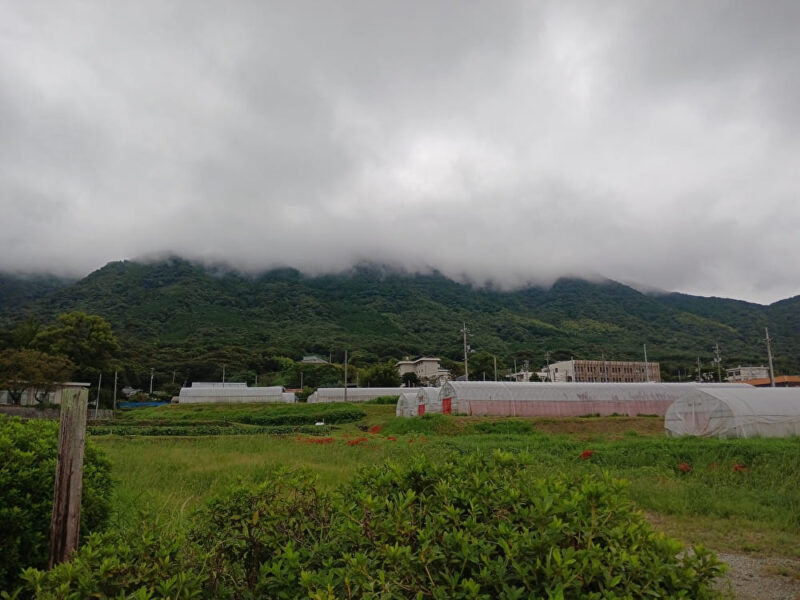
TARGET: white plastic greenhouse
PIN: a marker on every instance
(234, 394)
(736, 413)
(423, 401)
(324, 395)
(563, 399)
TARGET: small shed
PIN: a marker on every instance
(356, 394)
(563, 399)
(735, 413)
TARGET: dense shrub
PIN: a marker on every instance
(469, 527)
(383, 400)
(28, 454)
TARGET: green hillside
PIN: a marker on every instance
(193, 319)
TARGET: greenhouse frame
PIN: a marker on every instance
(494, 398)
(421, 402)
(235, 395)
(735, 413)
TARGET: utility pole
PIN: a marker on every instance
(65, 524)
(151, 380)
(698, 370)
(301, 380)
(495, 368)
(646, 366)
(465, 331)
(114, 400)
(547, 359)
(223, 378)
(173, 376)
(97, 400)
(769, 356)
(345, 375)
(718, 360)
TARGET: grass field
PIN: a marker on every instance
(731, 495)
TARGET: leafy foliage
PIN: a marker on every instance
(188, 318)
(26, 368)
(472, 526)
(28, 454)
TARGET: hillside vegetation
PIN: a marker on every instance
(176, 315)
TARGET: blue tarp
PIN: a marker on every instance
(139, 404)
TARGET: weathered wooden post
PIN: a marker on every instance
(66, 522)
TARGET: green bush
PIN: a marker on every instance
(383, 400)
(28, 454)
(472, 526)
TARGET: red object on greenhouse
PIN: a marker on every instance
(685, 467)
(586, 454)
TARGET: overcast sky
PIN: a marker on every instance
(649, 142)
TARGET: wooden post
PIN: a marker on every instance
(66, 522)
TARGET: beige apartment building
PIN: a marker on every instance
(604, 371)
(428, 369)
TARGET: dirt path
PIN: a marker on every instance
(754, 578)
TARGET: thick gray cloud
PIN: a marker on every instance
(649, 142)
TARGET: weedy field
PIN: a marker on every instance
(730, 495)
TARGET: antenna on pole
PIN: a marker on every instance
(769, 356)
(465, 331)
(718, 360)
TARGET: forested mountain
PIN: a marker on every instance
(187, 317)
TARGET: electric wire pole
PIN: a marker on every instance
(718, 360)
(646, 366)
(345, 375)
(769, 356)
(465, 331)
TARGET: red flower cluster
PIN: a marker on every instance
(586, 454)
(375, 428)
(315, 440)
(739, 468)
(411, 441)
(357, 441)
(390, 438)
(685, 467)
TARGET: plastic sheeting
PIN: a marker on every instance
(735, 413)
(423, 401)
(323, 395)
(563, 399)
(235, 394)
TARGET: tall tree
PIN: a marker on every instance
(87, 340)
(25, 369)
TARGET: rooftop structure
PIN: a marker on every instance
(427, 369)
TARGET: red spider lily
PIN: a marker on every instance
(713, 466)
(357, 441)
(685, 467)
(423, 440)
(375, 428)
(739, 468)
(411, 441)
(391, 439)
(586, 454)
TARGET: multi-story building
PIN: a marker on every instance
(603, 371)
(746, 373)
(427, 369)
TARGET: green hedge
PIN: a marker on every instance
(185, 430)
(28, 454)
(472, 526)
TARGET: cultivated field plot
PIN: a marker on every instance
(738, 497)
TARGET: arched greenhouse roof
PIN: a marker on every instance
(736, 412)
